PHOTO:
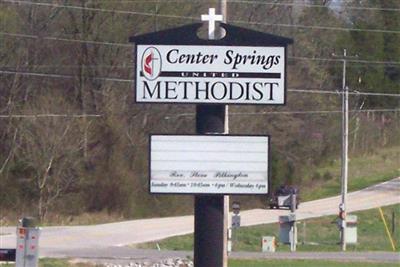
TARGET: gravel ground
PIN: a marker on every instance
(170, 262)
(124, 257)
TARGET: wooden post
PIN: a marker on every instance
(393, 222)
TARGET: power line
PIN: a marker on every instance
(150, 1)
(313, 91)
(348, 60)
(34, 116)
(301, 112)
(299, 26)
(126, 12)
(373, 94)
(19, 35)
(65, 66)
(311, 112)
(63, 76)
(337, 92)
(313, 5)
(332, 5)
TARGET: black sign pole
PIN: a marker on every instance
(209, 210)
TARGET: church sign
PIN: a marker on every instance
(244, 67)
(209, 164)
(210, 74)
(175, 66)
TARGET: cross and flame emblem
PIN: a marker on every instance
(151, 63)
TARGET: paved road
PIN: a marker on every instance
(59, 240)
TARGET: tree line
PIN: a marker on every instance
(72, 140)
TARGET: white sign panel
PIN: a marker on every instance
(214, 164)
(210, 74)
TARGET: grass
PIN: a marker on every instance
(303, 263)
(318, 234)
(364, 171)
(54, 219)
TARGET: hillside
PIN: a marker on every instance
(73, 140)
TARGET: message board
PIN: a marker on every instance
(209, 164)
(210, 74)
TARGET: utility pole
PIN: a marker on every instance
(223, 10)
(345, 149)
(292, 218)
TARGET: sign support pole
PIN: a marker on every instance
(210, 220)
(209, 236)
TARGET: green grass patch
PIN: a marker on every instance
(319, 234)
(364, 171)
(304, 263)
(55, 219)
(319, 182)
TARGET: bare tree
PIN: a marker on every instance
(51, 149)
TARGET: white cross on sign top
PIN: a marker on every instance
(211, 18)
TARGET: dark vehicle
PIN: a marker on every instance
(281, 197)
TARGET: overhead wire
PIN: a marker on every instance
(197, 19)
(348, 60)
(19, 35)
(300, 112)
(152, 14)
(51, 38)
(298, 90)
(299, 26)
(254, 2)
(171, 16)
(116, 11)
(339, 92)
(309, 112)
(331, 5)
(63, 76)
(34, 116)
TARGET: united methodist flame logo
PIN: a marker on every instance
(151, 63)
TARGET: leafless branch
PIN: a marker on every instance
(11, 153)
